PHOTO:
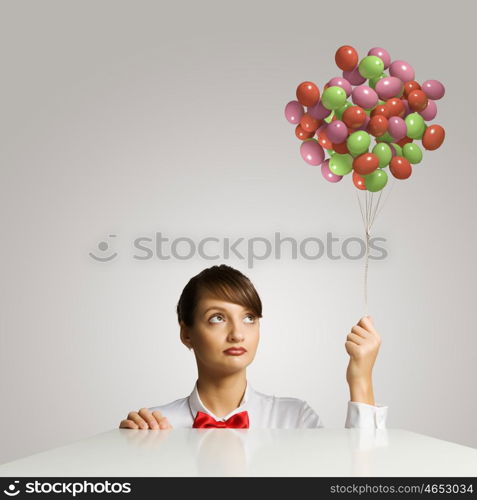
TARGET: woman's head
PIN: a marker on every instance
(220, 309)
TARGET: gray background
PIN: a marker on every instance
(129, 118)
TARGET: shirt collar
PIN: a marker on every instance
(195, 404)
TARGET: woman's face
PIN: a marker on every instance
(220, 332)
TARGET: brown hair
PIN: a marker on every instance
(224, 283)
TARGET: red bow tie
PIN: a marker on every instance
(237, 421)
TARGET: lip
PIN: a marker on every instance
(235, 351)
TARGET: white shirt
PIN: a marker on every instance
(272, 412)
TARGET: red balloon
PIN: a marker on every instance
(400, 167)
(346, 58)
(377, 125)
(302, 134)
(341, 148)
(366, 163)
(354, 116)
(307, 93)
(324, 141)
(417, 100)
(358, 181)
(433, 137)
(382, 109)
(310, 124)
(395, 107)
(404, 140)
(410, 86)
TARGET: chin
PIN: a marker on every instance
(235, 363)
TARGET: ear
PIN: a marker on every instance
(185, 335)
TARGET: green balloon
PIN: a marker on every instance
(331, 152)
(373, 81)
(398, 149)
(415, 125)
(385, 138)
(384, 153)
(341, 164)
(339, 112)
(371, 66)
(329, 117)
(412, 152)
(381, 102)
(376, 180)
(358, 142)
(333, 97)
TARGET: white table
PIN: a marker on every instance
(251, 452)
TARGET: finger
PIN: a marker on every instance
(367, 324)
(164, 424)
(147, 416)
(357, 339)
(351, 348)
(128, 424)
(157, 415)
(161, 420)
(136, 418)
(359, 330)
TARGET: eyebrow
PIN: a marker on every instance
(214, 307)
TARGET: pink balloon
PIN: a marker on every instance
(364, 126)
(402, 70)
(312, 152)
(341, 82)
(328, 174)
(393, 150)
(364, 96)
(294, 111)
(318, 111)
(382, 54)
(337, 131)
(388, 87)
(397, 127)
(354, 76)
(320, 128)
(406, 107)
(430, 112)
(433, 89)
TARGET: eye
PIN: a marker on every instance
(252, 318)
(215, 316)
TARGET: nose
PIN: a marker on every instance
(235, 333)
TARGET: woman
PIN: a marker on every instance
(218, 313)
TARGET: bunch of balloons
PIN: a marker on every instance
(366, 103)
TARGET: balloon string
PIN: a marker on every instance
(368, 216)
(365, 217)
(366, 274)
(386, 199)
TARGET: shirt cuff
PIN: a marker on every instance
(364, 416)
